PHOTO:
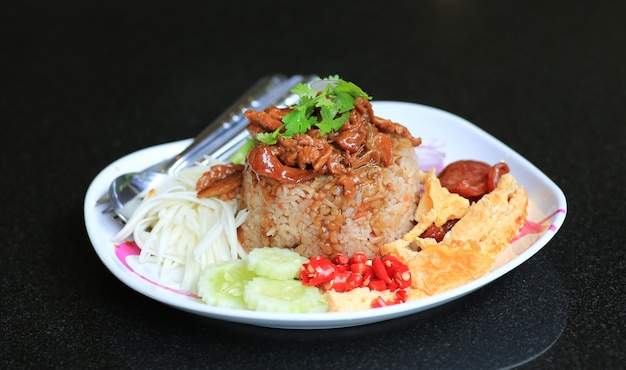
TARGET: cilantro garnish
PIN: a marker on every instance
(333, 96)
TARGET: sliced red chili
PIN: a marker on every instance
(391, 261)
(392, 286)
(343, 274)
(359, 257)
(339, 282)
(316, 271)
(342, 268)
(402, 295)
(368, 276)
(402, 276)
(378, 302)
(361, 268)
(354, 281)
(341, 259)
(380, 271)
(377, 284)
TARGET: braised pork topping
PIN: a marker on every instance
(364, 140)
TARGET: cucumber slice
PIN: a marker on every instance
(263, 294)
(222, 284)
(275, 263)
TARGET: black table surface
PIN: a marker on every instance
(84, 83)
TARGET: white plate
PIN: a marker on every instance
(446, 138)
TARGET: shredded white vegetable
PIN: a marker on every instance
(174, 228)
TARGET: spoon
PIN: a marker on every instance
(220, 139)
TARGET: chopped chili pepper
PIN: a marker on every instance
(359, 257)
(402, 276)
(339, 282)
(316, 271)
(341, 259)
(361, 268)
(378, 302)
(398, 271)
(402, 295)
(343, 274)
(342, 268)
(354, 281)
(377, 284)
(391, 262)
(392, 286)
(367, 276)
(380, 271)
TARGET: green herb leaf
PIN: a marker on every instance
(269, 138)
(334, 103)
(304, 91)
(330, 123)
(296, 122)
(352, 89)
(344, 101)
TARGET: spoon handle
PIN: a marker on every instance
(230, 126)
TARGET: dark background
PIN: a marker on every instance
(84, 83)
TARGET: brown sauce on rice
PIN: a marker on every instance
(348, 191)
